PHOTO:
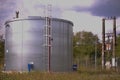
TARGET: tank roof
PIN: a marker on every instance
(37, 18)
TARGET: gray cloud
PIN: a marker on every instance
(106, 8)
(102, 8)
(39, 6)
(6, 9)
(80, 9)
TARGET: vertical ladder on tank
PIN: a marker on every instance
(48, 37)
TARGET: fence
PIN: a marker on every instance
(91, 64)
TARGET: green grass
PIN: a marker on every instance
(82, 74)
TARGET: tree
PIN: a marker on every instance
(118, 46)
(84, 44)
(1, 51)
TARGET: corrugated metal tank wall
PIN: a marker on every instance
(24, 44)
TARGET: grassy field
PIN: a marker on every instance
(82, 74)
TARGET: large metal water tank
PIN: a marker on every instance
(24, 44)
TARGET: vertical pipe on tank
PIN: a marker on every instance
(49, 42)
(22, 45)
(6, 47)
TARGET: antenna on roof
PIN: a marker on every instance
(17, 14)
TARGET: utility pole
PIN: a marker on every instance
(103, 43)
(95, 54)
(113, 42)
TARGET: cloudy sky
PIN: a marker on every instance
(85, 14)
